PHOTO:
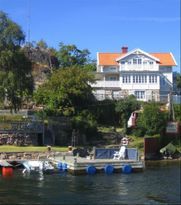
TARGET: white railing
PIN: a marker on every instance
(138, 67)
(107, 84)
(118, 84)
(110, 70)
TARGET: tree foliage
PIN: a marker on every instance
(125, 107)
(152, 121)
(16, 81)
(70, 55)
(86, 125)
(67, 91)
(11, 35)
(177, 111)
(104, 112)
(178, 81)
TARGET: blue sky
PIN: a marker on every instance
(101, 25)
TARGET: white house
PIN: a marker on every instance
(148, 76)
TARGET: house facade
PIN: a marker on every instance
(148, 76)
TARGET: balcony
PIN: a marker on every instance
(139, 67)
(107, 84)
(110, 69)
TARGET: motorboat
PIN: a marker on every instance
(37, 166)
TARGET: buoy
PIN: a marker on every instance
(64, 166)
(91, 170)
(59, 166)
(108, 169)
(127, 169)
(7, 171)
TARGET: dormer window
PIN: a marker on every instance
(134, 61)
(137, 61)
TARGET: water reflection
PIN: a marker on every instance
(156, 185)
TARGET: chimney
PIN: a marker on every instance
(124, 49)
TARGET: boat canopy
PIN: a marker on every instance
(170, 148)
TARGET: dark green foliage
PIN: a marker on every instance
(125, 107)
(152, 121)
(86, 125)
(177, 112)
(16, 82)
(178, 81)
(105, 113)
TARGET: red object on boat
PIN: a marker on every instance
(7, 171)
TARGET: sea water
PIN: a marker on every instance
(159, 183)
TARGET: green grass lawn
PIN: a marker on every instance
(11, 148)
(137, 142)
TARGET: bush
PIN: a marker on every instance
(152, 121)
(177, 110)
(85, 124)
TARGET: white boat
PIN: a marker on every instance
(37, 166)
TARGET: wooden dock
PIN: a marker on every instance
(77, 165)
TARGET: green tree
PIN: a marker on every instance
(11, 35)
(178, 81)
(67, 91)
(42, 44)
(152, 121)
(16, 82)
(125, 107)
(86, 125)
(177, 111)
(70, 55)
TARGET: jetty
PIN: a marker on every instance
(78, 165)
(101, 160)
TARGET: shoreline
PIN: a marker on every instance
(42, 155)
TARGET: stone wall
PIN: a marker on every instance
(15, 156)
(19, 139)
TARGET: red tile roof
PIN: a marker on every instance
(166, 59)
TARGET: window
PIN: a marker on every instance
(134, 61)
(139, 60)
(112, 68)
(133, 78)
(129, 62)
(145, 78)
(152, 78)
(126, 79)
(140, 94)
(136, 79)
(151, 62)
(112, 78)
(122, 62)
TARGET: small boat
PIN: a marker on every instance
(37, 166)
